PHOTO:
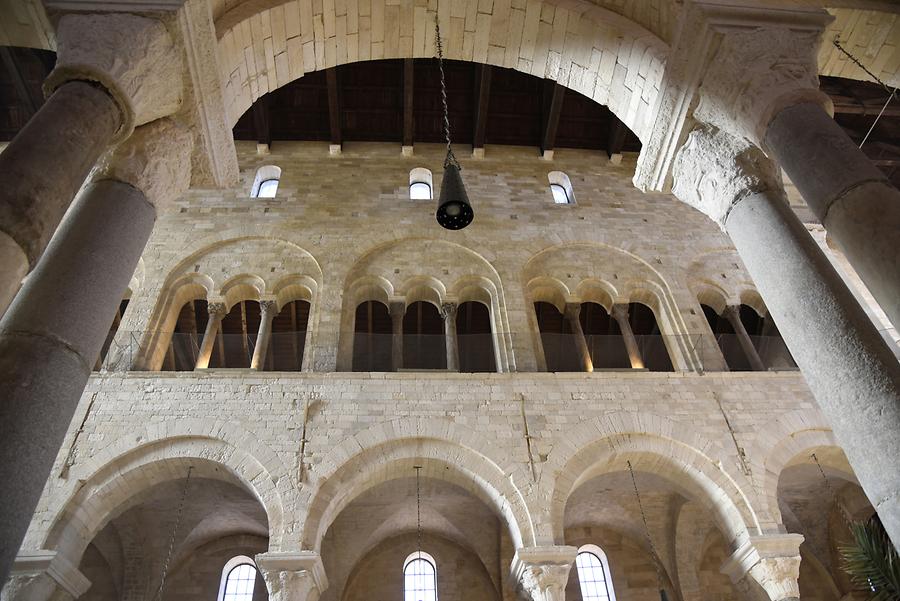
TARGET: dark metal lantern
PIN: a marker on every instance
(454, 211)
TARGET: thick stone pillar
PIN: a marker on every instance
(772, 562)
(293, 576)
(113, 72)
(572, 313)
(43, 576)
(852, 198)
(733, 314)
(269, 309)
(848, 366)
(55, 327)
(448, 311)
(543, 572)
(620, 314)
(397, 310)
(216, 312)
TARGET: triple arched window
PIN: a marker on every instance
(238, 579)
(419, 577)
(593, 574)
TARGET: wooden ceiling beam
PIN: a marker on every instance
(262, 120)
(19, 81)
(617, 134)
(334, 106)
(409, 121)
(553, 103)
(482, 100)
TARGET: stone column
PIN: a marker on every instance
(113, 72)
(55, 327)
(43, 576)
(572, 313)
(543, 572)
(848, 366)
(620, 314)
(268, 308)
(293, 576)
(397, 310)
(217, 312)
(448, 311)
(733, 314)
(772, 562)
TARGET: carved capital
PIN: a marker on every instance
(448, 310)
(755, 74)
(619, 312)
(715, 170)
(293, 576)
(572, 311)
(134, 58)
(397, 309)
(268, 307)
(772, 561)
(217, 310)
(156, 160)
(544, 571)
(43, 575)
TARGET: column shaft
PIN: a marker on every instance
(268, 308)
(620, 314)
(852, 198)
(733, 314)
(572, 313)
(397, 311)
(850, 369)
(51, 335)
(448, 310)
(216, 314)
(72, 129)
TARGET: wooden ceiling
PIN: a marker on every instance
(399, 101)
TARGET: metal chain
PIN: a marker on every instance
(637, 495)
(451, 158)
(837, 45)
(831, 491)
(418, 468)
(165, 571)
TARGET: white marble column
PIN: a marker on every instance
(398, 311)
(293, 576)
(43, 576)
(543, 572)
(217, 312)
(47, 348)
(852, 373)
(733, 314)
(771, 561)
(268, 311)
(620, 314)
(572, 315)
(113, 72)
(448, 311)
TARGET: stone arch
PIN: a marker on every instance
(546, 289)
(584, 47)
(709, 294)
(656, 445)
(424, 288)
(115, 479)
(476, 288)
(597, 291)
(242, 287)
(445, 451)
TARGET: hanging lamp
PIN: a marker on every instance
(656, 560)
(454, 211)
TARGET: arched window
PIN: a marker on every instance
(372, 337)
(265, 185)
(419, 577)
(238, 579)
(593, 574)
(420, 184)
(561, 188)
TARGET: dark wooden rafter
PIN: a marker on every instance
(553, 104)
(262, 120)
(482, 98)
(617, 134)
(409, 122)
(19, 82)
(334, 105)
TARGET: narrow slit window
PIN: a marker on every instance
(420, 184)
(268, 188)
(561, 188)
(560, 196)
(265, 184)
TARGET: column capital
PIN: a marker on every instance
(37, 575)
(293, 575)
(715, 170)
(397, 308)
(572, 310)
(772, 561)
(156, 160)
(544, 571)
(448, 310)
(268, 307)
(134, 58)
(216, 309)
(619, 311)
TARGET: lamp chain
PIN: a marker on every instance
(656, 559)
(451, 158)
(165, 570)
(834, 497)
(418, 468)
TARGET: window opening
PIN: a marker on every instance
(238, 580)
(267, 189)
(420, 184)
(419, 578)
(593, 575)
(560, 196)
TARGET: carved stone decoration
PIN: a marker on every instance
(544, 571)
(216, 309)
(156, 160)
(134, 58)
(43, 576)
(293, 576)
(757, 73)
(715, 170)
(772, 561)
(448, 310)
